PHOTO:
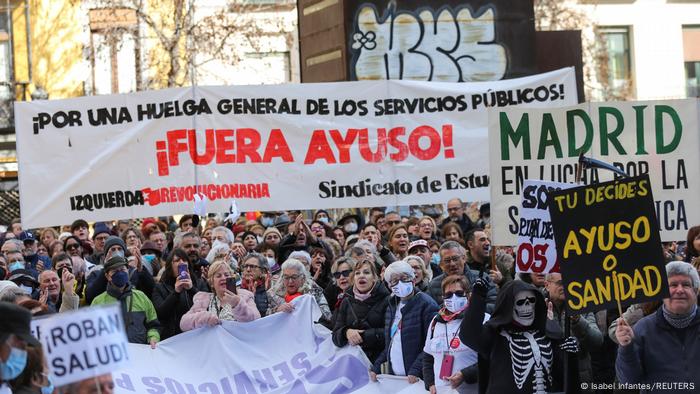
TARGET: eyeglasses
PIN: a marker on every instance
(530, 300)
(345, 273)
(101, 238)
(250, 266)
(426, 225)
(287, 278)
(451, 259)
(396, 282)
(72, 246)
(316, 228)
(458, 293)
(453, 209)
(393, 222)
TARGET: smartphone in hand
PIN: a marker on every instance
(231, 285)
(182, 271)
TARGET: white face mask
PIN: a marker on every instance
(271, 262)
(26, 289)
(323, 220)
(524, 307)
(402, 289)
(350, 227)
(455, 303)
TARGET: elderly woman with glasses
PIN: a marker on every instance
(223, 304)
(294, 282)
(256, 279)
(406, 323)
(359, 321)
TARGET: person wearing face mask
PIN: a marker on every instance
(322, 216)
(359, 320)
(15, 338)
(267, 219)
(25, 282)
(351, 223)
(523, 346)
(449, 364)
(406, 323)
(140, 279)
(140, 317)
(35, 378)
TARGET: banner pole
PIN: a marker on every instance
(97, 384)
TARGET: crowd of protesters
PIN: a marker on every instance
(423, 296)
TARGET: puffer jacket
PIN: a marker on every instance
(416, 316)
(198, 315)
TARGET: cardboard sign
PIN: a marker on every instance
(659, 138)
(84, 343)
(608, 244)
(537, 252)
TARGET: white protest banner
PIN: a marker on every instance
(304, 146)
(660, 138)
(537, 251)
(281, 353)
(84, 343)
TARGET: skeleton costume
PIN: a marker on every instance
(518, 347)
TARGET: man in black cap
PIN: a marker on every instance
(79, 228)
(14, 338)
(140, 316)
(100, 233)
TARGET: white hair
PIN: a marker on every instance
(365, 243)
(398, 268)
(290, 263)
(218, 248)
(682, 268)
(301, 255)
(228, 234)
(427, 273)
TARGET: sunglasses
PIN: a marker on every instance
(458, 293)
(531, 300)
(345, 273)
(72, 246)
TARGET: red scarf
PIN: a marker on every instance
(447, 315)
(252, 285)
(289, 297)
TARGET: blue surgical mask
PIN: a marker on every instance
(148, 258)
(119, 253)
(120, 279)
(48, 389)
(323, 220)
(271, 262)
(17, 265)
(435, 259)
(14, 365)
(267, 221)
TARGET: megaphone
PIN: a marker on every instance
(587, 162)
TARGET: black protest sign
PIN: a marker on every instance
(608, 244)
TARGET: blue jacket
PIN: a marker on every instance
(416, 316)
(660, 353)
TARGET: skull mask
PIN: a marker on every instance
(524, 307)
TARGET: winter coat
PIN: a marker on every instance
(171, 306)
(661, 353)
(198, 315)
(496, 370)
(365, 315)
(140, 316)
(416, 316)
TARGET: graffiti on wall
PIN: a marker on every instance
(449, 45)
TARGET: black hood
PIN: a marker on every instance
(502, 316)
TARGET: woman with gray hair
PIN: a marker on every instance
(407, 319)
(294, 282)
(423, 276)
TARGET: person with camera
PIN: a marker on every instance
(174, 295)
